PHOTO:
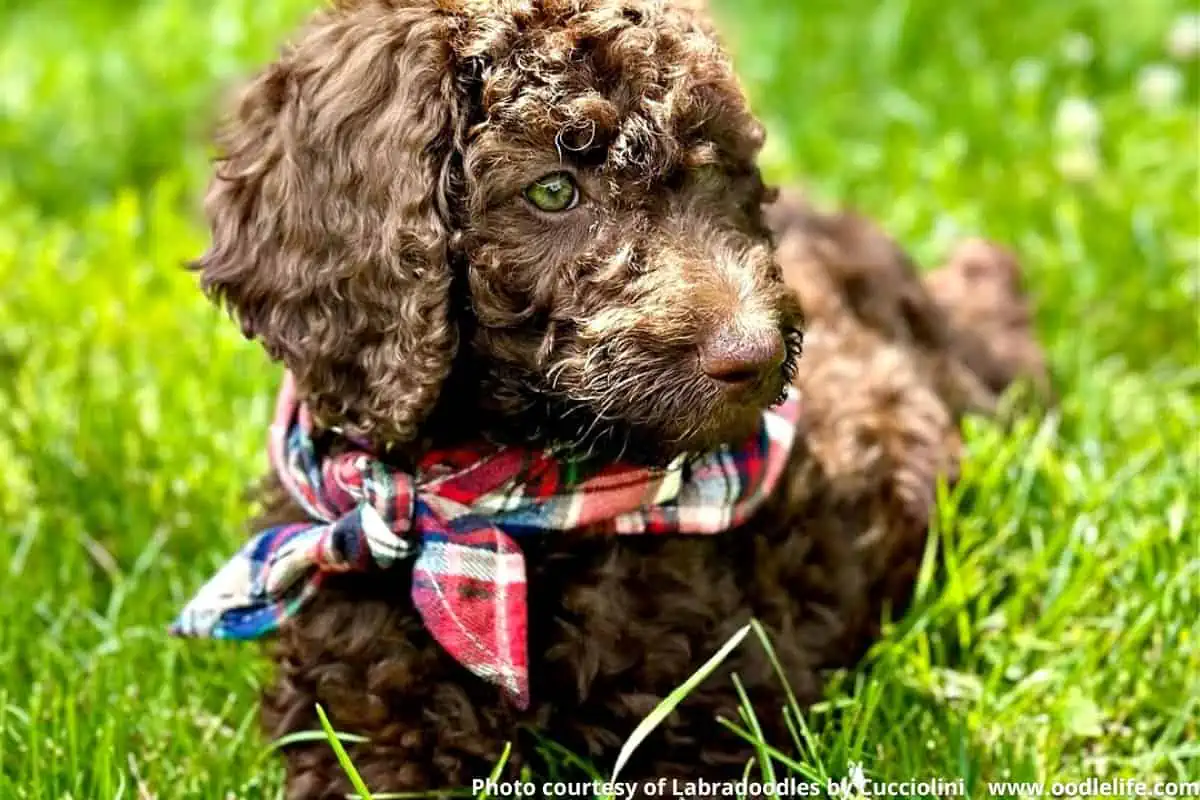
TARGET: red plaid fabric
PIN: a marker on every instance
(456, 516)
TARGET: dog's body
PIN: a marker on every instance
(371, 229)
(618, 623)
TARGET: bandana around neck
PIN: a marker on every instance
(455, 519)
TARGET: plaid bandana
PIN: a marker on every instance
(455, 518)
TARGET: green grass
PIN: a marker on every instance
(1057, 637)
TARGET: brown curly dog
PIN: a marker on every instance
(540, 222)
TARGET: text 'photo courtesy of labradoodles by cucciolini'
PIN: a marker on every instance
(599, 399)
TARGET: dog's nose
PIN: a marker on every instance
(737, 356)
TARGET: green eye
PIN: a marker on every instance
(554, 192)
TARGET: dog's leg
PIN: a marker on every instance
(880, 438)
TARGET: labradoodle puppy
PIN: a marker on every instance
(516, 260)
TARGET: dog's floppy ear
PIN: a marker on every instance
(330, 214)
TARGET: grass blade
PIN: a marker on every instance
(304, 737)
(498, 769)
(343, 757)
(764, 760)
(672, 701)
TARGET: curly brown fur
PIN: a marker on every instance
(370, 229)
(382, 158)
(920, 354)
(979, 290)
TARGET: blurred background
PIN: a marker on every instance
(1061, 642)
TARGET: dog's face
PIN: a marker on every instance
(552, 205)
(622, 279)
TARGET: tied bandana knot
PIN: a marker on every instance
(455, 517)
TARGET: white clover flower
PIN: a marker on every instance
(1183, 40)
(1077, 49)
(228, 31)
(1078, 163)
(1077, 120)
(1028, 74)
(946, 231)
(1159, 86)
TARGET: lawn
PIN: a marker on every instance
(1056, 632)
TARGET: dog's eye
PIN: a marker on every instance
(554, 192)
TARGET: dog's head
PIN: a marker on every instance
(537, 220)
